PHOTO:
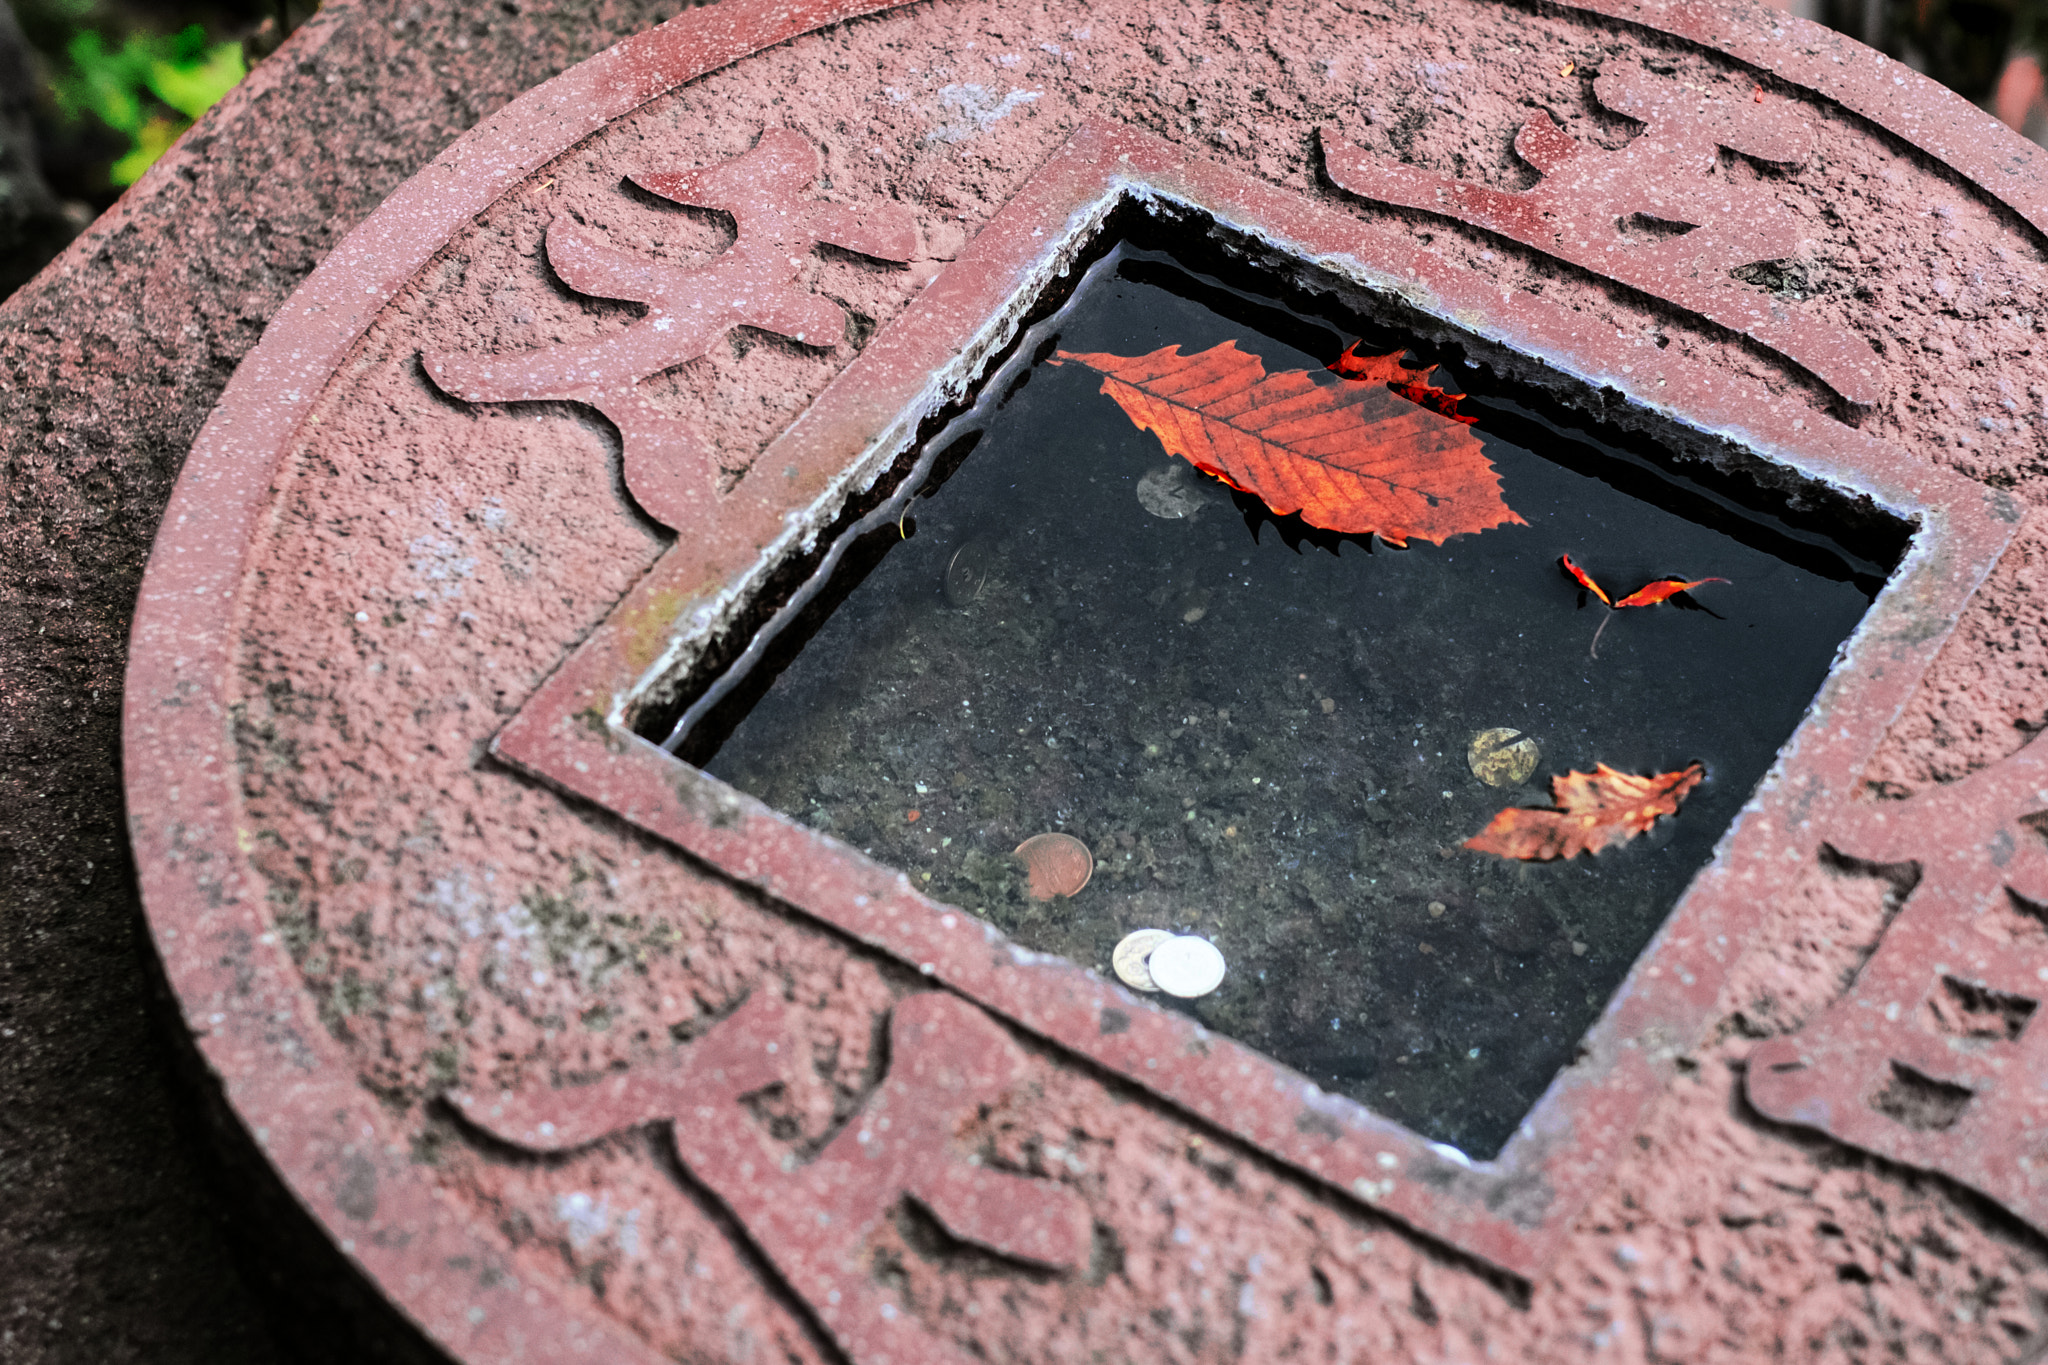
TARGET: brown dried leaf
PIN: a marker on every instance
(1594, 810)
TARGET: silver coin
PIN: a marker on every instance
(1171, 493)
(1186, 966)
(966, 577)
(1130, 955)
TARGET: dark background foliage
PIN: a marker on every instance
(79, 118)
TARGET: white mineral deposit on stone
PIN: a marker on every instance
(1129, 958)
(1186, 966)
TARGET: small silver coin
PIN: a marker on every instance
(1130, 955)
(1186, 966)
(1178, 492)
(966, 577)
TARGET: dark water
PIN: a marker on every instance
(1267, 745)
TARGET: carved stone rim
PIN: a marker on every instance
(294, 1088)
(299, 1095)
(573, 733)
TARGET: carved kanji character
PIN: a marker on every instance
(1933, 1057)
(688, 308)
(1661, 214)
(813, 1220)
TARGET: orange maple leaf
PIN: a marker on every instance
(1351, 458)
(1594, 810)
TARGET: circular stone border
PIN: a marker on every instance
(280, 1072)
(244, 1006)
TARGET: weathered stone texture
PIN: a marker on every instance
(1721, 1237)
(110, 1243)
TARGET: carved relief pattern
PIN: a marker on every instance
(1933, 1058)
(688, 308)
(1662, 214)
(813, 1219)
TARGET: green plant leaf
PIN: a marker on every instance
(193, 81)
(152, 140)
(135, 88)
(106, 84)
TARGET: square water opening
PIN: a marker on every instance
(1264, 732)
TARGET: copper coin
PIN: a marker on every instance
(1058, 864)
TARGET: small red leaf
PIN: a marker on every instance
(1412, 385)
(1354, 364)
(1663, 590)
(1584, 580)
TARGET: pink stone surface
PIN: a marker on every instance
(765, 191)
(366, 918)
(1930, 1059)
(923, 1136)
(117, 1242)
(1509, 1211)
(1603, 209)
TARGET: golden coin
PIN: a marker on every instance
(1129, 958)
(1057, 864)
(1502, 757)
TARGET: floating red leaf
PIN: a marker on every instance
(1584, 580)
(1412, 385)
(1650, 594)
(1355, 365)
(1353, 458)
(1594, 810)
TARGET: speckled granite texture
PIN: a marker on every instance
(496, 937)
(111, 1239)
